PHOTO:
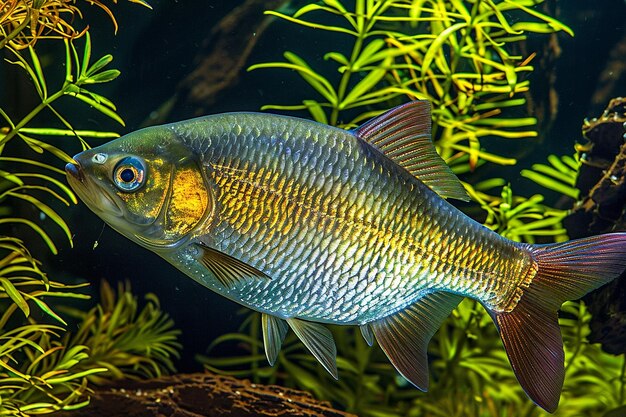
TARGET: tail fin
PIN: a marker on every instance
(530, 332)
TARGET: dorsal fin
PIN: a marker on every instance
(403, 135)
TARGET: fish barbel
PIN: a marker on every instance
(311, 224)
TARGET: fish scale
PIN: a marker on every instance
(311, 224)
(313, 193)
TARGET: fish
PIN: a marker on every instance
(311, 224)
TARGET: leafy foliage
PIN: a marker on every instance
(48, 369)
(470, 371)
(456, 54)
(128, 343)
(42, 367)
(24, 22)
(559, 176)
(518, 218)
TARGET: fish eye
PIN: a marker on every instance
(129, 174)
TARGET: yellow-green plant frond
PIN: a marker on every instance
(24, 284)
(560, 175)
(38, 375)
(129, 341)
(79, 74)
(456, 54)
(24, 22)
(518, 218)
(29, 187)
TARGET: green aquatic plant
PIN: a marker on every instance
(470, 371)
(27, 386)
(44, 368)
(518, 218)
(457, 54)
(126, 341)
(559, 176)
(24, 22)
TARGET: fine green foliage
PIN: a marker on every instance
(127, 342)
(456, 54)
(24, 22)
(48, 369)
(40, 373)
(79, 73)
(29, 382)
(43, 368)
(559, 176)
(518, 218)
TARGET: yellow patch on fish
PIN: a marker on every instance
(188, 202)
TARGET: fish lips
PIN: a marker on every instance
(94, 195)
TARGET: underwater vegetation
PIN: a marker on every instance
(43, 366)
(461, 56)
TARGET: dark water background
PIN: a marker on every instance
(156, 49)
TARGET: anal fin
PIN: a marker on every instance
(404, 336)
(319, 340)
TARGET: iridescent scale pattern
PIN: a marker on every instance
(346, 235)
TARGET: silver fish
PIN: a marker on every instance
(310, 224)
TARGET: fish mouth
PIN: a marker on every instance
(94, 196)
(73, 169)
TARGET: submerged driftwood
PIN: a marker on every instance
(601, 209)
(221, 59)
(202, 394)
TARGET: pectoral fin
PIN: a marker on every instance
(228, 270)
(319, 340)
(404, 336)
(274, 331)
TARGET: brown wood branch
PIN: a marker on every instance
(202, 394)
(222, 58)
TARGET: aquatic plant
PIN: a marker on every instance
(24, 22)
(129, 343)
(559, 176)
(26, 384)
(456, 54)
(518, 218)
(42, 367)
(470, 370)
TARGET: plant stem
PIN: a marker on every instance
(621, 380)
(9, 258)
(15, 32)
(45, 103)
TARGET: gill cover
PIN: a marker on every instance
(161, 187)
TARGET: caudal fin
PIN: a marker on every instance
(530, 332)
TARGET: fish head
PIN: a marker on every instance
(147, 185)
